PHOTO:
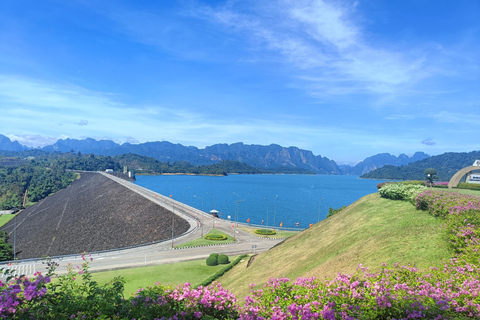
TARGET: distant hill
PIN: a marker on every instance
(383, 159)
(270, 157)
(446, 164)
(8, 145)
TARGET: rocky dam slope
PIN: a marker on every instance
(94, 213)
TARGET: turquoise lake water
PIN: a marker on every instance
(290, 199)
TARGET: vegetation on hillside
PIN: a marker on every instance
(386, 230)
(43, 173)
(40, 178)
(446, 164)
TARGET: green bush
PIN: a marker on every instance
(212, 261)
(332, 211)
(223, 259)
(222, 272)
(401, 191)
(216, 237)
(466, 185)
(265, 232)
(414, 182)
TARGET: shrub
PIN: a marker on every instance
(221, 272)
(462, 215)
(414, 182)
(212, 261)
(216, 237)
(265, 232)
(441, 203)
(214, 255)
(332, 211)
(466, 185)
(381, 184)
(223, 259)
(401, 191)
(450, 292)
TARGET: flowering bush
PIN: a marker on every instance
(462, 215)
(392, 293)
(442, 203)
(401, 191)
(82, 298)
(398, 293)
(20, 294)
(183, 302)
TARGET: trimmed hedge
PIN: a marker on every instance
(471, 186)
(220, 273)
(223, 259)
(216, 237)
(265, 232)
(212, 261)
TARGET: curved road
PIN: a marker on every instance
(161, 253)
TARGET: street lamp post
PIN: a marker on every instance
(266, 232)
(275, 212)
(202, 212)
(319, 204)
(213, 199)
(15, 236)
(237, 211)
(183, 198)
(173, 222)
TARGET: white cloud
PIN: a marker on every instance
(34, 140)
(327, 44)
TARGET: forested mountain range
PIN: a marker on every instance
(269, 157)
(383, 159)
(272, 158)
(446, 164)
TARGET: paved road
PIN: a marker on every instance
(162, 253)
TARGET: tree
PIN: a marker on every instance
(430, 174)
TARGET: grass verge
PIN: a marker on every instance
(194, 272)
(4, 218)
(203, 242)
(462, 191)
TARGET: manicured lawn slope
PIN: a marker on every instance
(371, 231)
(194, 272)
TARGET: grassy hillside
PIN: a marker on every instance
(371, 231)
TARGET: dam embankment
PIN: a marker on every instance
(94, 213)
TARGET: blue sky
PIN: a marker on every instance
(344, 79)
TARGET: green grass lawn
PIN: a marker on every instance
(194, 272)
(371, 231)
(203, 242)
(4, 218)
(462, 191)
